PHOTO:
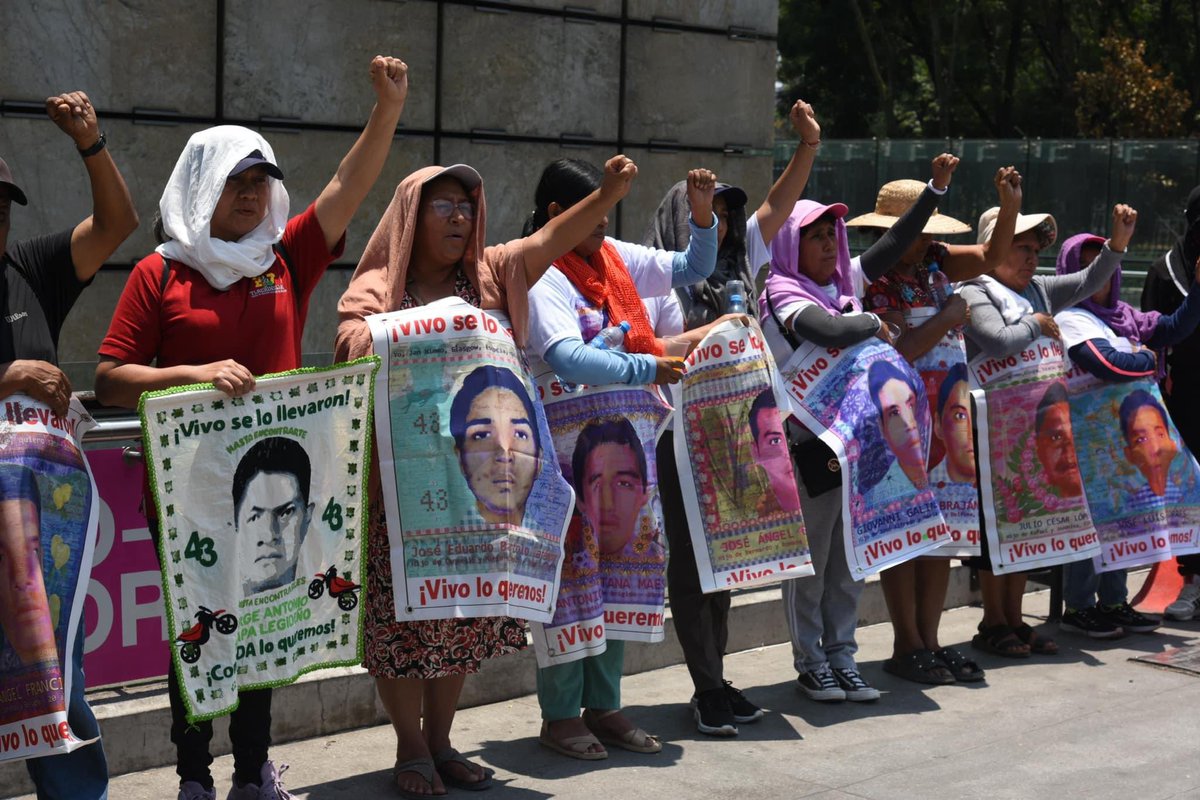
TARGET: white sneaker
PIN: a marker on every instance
(1187, 605)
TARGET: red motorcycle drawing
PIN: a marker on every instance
(196, 636)
(345, 591)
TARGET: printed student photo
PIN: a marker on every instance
(952, 426)
(1146, 430)
(611, 480)
(1054, 441)
(895, 398)
(272, 512)
(769, 448)
(497, 442)
(25, 618)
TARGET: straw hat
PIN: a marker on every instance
(1043, 224)
(897, 197)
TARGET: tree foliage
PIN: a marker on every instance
(993, 68)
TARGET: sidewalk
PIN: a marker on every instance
(1086, 723)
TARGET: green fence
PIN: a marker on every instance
(1076, 180)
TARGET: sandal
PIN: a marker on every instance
(961, 667)
(919, 666)
(571, 746)
(1000, 640)
(450, 755)
(422, 767)
(1042, 645)
(634, 740)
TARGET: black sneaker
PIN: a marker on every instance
(1088, 622)
(1124, 616)
(820, 685)
(713, 713)
(854, 686)
(743, 710)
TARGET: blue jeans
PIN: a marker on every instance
(81, 774)
(1081, 584)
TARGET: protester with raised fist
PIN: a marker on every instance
(430, 245)
(224, 298)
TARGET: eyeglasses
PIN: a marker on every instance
(445, 209)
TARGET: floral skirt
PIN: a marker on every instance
(428, 648)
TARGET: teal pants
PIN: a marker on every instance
(593, 682)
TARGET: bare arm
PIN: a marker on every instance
(121, 384)
(359, 170)
(964, 262)
(916, 342)
(787, 190)
(113, 216)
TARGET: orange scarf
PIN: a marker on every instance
(604, 280)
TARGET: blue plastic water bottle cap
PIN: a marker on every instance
(625, 326)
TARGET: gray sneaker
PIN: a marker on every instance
(270, 787)
(853, 684)
(194, 791)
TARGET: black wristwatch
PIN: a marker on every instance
(96, 148)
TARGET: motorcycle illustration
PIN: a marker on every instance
(345, 591)
(197, 636)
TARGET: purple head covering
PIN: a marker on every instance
(1124, 319)
(788, 284)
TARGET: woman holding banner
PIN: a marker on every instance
(1010, 309)
(224, 298)
(701, 620)
(601, 283)
(915, 591)
(1116, 343)
(430, 245)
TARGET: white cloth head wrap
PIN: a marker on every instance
(191, 196)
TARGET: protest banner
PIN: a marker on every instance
(476, 505)
(124, 617)
(1141, 482)
(735, 470)
(614, 569)
(1033, 505)
(48, 517)
(943, 370)
(262, 527)
(869, 407)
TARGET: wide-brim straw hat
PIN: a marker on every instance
(897, 197)
(1042, 224)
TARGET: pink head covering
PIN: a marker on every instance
(787, 283)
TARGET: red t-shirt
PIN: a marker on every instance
(257, 322)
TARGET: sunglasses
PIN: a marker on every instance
(446, 208)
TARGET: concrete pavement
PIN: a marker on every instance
(1086, 723)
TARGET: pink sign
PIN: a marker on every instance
(124, 615)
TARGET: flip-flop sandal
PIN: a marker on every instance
(634, 740)
(571, 746)
(999, 640)
(1042, 645)
(962, 668)
(419, 766)
(919, 666)
(450, 755)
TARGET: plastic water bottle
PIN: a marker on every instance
(939, 285)
(735, 297)
(611, 338)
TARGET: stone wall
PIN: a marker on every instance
(498, 85)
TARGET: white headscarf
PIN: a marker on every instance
(1012, 306)
(191, 196)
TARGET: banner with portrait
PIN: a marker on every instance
(735, 470)
(952, 448)
(476, 505)
(869, 406)
(261, 503)
(614, 569)
(1033, 504)
(1141, 482)
(48, 521)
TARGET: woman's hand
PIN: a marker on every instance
(1124, 220)
(227, 376)
(1008, 187)
(701, 184)
(389, 79)
(669, 370)
(804, 123)
(1048, 325)
(943, 167)
(42, 381)
(619, 172)
(956, 311)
